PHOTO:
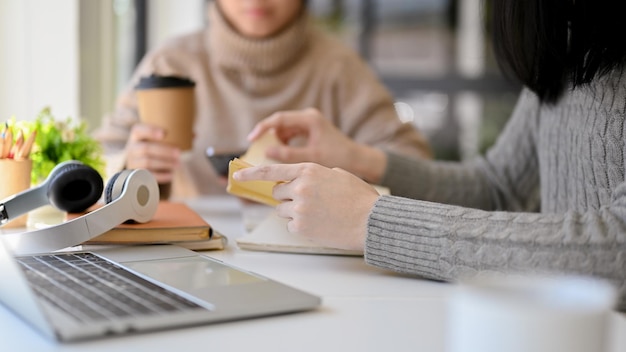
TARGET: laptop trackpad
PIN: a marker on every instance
(192, 273)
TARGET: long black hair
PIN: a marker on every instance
(552, 44)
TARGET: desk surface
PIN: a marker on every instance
(363, 308)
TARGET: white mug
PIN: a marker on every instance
(497, 313)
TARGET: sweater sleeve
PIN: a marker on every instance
(505, 179)
(469, 234)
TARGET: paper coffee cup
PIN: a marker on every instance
(15, 178)
(522, 313)
(168, 102)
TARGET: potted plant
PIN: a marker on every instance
(62, 140)
(57, 141)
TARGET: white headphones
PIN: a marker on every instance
(74, 187)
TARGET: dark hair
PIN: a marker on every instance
(550, 44)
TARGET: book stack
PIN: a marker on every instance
(173, 223)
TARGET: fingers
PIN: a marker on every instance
(160, 160)
(152, 155)
(144, 132)
(274, 172)
(289, 154)
(295, 224)
(146, 151)
(163, 177)
(287, 123)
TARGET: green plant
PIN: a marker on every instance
(61, 140)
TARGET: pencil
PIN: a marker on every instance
(24, 151)
(19, 141)
(8, 140)
(2, 145)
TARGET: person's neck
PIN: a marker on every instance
(232, 50)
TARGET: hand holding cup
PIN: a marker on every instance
(167, 112)
(168, 102)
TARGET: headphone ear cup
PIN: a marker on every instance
(63, 167)
(115, 186)
(134, 193)
(108, 190)
(75, 187)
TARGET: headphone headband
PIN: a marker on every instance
(71, 186)
(138, 201)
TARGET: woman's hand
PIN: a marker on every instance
(323, 144)
(146, 150)
(330, 206)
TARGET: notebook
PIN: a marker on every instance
(258, 191)
(271, 235)
(155, 287)
(266, 231)
(172, 222)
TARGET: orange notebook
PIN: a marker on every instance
(173, 223)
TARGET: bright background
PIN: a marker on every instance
(434, 55)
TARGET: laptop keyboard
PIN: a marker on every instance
(91, 288)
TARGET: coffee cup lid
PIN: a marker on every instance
(156, 81)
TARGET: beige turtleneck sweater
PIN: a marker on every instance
(240, 81)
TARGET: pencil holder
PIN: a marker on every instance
(14, 178)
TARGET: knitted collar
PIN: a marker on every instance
(231, 50)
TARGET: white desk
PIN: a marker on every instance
(363, 309)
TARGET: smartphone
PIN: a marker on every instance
(220, 161)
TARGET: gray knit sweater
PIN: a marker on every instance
(567, 160)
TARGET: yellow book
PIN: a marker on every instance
(258, 191)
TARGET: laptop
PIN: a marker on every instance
(96, 293)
